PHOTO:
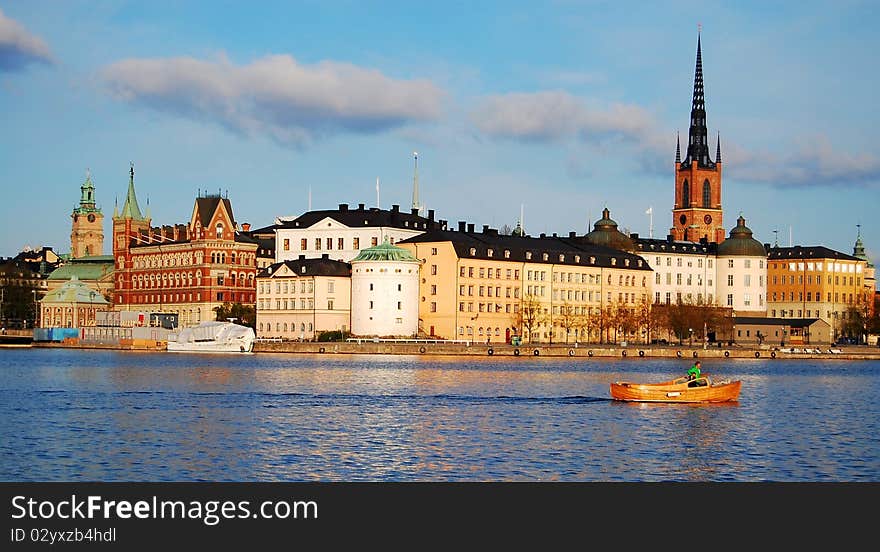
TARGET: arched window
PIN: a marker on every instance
(219, 230)
(707, 194)
(685, 194)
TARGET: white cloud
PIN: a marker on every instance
(814, 164)
(18, 47)
(277, 96)
(557, 115)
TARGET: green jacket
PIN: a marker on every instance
(694, 371)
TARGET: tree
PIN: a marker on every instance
(530, 315)
(17, 303)
(568, 318)
(246, 315)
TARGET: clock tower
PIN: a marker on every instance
(87, 231)
(697, 213)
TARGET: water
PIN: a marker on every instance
(78, 415)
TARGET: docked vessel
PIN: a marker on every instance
(680, 390)
(213, 337)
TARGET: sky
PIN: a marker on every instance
(555, 109)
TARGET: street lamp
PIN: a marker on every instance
(691, 336)
(36, 311)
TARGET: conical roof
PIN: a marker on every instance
(741, 243)
(385, 252)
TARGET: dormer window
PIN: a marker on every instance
(592, 260)
(577, 258)
(490, 252)
(545, 256)
(507, 253)
(528, 255)
(561, 258)
(626, 262)
(613, 261)
(473, 251)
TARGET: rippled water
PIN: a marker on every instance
(76, 415)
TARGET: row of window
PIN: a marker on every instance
(800, 280)
(328, 243)
(811, 314)
(189, 258)
(690, 262)
(838, 297)
(305, 286)
(149, 281)
(149, 298)
(817, 266)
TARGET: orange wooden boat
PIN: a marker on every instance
(680, 390)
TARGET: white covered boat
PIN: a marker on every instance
(213, 337)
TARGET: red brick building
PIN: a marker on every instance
(187, 269)
(697, 212)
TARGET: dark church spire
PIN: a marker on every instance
(718, 150)
(698, 145)
(677, 148)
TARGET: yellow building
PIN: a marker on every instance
(487, 287)
(815, 282)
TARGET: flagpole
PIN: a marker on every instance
(650, 213)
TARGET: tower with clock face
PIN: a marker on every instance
(697, 212)
(87, 230)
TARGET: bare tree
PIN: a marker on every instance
(530, 316)
(568, 318)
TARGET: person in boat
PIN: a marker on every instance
(694, 374)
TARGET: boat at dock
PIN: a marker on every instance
(679, 390)
(213, 337)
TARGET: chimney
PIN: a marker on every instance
(360, 206)
(245, 227)
(572, 234)
(634, 236)
(485, 228)
(431, 214)
(470, 228)
(461, 225)
(325, 255)
(543, 235)
(670, 238)
(395, 208)
(343, 207)
(414, 211)
(554, 235)
(301, 257)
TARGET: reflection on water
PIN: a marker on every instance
(103, 415)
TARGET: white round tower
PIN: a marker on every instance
(385, 292)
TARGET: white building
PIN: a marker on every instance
(742, 271)
(684, 271)
(343, 233)
(385, 292)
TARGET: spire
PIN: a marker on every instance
(116, 207)
(718, 150)
(415, 194)
(698, 146)
(87, 196)
(677, 148)
(130, 208)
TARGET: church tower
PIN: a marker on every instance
(87, 230)
(128, 226)
(697, 213)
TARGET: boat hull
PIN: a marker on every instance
(213, 337)
(676, 391)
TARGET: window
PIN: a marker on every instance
(747, 280)
(286, 244)
(707, 194)
(219, 230)
(331, 285)
(729, 299)
(686, 194)
(374, 241)
(433, 270)
(356, 243)
(371, 303)
(729, 263)
(433, 289)
(303, 244)
(730, 280)
(317, 244)
(433, 307)
(399, 305)
(340, 243)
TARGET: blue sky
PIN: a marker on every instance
(562, 107)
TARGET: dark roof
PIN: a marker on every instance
(518, 246)
(763, 321)
(244, 238)
(808, 252)
(362, 217)
(264, 231)
(208, 205)
(645, 246)
(605, 233)
(310, 267)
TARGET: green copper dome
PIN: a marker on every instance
(605, 233)
(75, 291)
(385, 252)
(741, 243)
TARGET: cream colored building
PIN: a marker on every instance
(299, 299)
(475, 285)
(742, 272)
(72, 305)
